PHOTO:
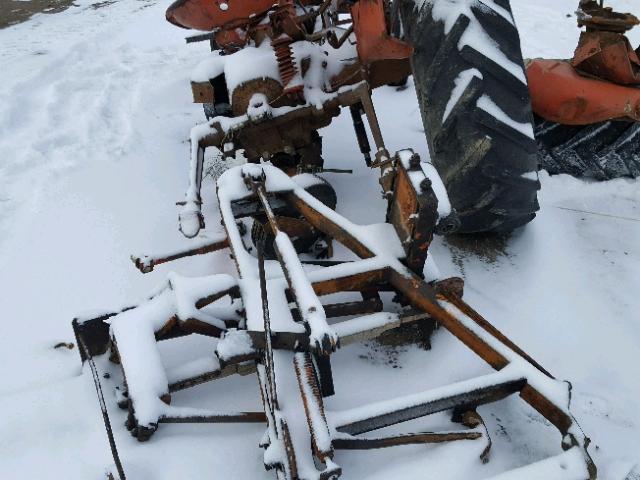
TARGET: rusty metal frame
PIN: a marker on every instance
(302, 354)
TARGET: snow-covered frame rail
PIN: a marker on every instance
(289, 347)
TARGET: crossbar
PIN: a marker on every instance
(470, 393)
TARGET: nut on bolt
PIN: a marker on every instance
(425, 184)
(414, 162)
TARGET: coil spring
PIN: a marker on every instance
(284, 56)
(284, 15)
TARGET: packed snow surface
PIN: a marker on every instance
(95, 115)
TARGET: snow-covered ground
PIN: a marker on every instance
(95, 112)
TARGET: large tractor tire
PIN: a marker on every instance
(474, 100)
(601, 151)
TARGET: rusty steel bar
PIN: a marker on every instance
(372, 118)
(478, 396)
(353, 308)
(370, 334)
(476, 317)
(335, 310)
(239, 417)
(208, 300)
(146, 264)
(422, 296)
(351, 283)
(300, 341)
(232, 369)
(404, 439)
(191, 325)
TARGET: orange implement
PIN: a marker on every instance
(560, 94)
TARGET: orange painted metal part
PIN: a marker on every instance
(211, 14)
(374, 42)
(607, 55)
(560, 94)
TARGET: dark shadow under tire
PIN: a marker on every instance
(601, 151)
(480, 138)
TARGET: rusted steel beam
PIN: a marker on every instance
(171, 329)
(476, 317)
(351, 283)
(240, 417)
(335, 310)
(208, 300)
(374, 125)
(406, 439)
(561, 421)
(175, 328)
(191, 325)
(372, 305)
(300, 341)
(547, 409)
(473, 398)
(422, 296)
(232, 369)
(452, 285)
(370, 334)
